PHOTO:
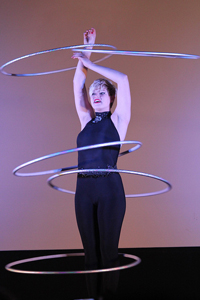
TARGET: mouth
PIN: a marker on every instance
(97, 101)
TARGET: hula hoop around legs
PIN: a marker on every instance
(9, 267)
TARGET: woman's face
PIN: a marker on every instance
(100, 99)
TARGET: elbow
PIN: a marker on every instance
(123, 80)
(124, 77)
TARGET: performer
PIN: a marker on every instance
(100, 199)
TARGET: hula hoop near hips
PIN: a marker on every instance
(67, 170)
(15, 171)
(112, 171)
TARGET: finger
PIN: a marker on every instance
(86, 36)
(77, 55)
(86, 33)
(91, 31)
(74, 55)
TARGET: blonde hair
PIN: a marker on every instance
(101, 82)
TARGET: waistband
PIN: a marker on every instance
(95, 173)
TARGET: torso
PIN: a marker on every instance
(96, 132)
(120, 125)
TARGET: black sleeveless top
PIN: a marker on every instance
(99, 130)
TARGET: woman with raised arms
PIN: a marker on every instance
(100, 199)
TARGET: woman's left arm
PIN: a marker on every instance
(122, 113)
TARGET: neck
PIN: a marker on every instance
(102, 112)
(101, 115)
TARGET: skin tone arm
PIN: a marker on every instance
(122, 113)
(84, 109)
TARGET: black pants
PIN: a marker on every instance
(100, 207)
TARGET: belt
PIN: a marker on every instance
(95, 173)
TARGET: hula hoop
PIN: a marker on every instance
(82, 49)
(9, 266)
(143, 53)
(49, 181)
(48, 51)
(15, 171)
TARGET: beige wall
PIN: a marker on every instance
(38, 117)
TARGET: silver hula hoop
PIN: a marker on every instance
(17, 173)
(168, 188)
(142, 53)
(48, 51)
(82, 48)
(9, 267)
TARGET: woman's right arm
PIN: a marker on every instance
(83, 107)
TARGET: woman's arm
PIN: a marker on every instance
(83, 107)
(122, 113)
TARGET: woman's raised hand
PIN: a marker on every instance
(82, 57)
(89, 36)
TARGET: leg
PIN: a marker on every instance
(111, 210)
(86, 215)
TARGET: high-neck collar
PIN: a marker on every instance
(101, 115)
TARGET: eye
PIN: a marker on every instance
(102, 93)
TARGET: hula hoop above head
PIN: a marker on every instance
(82, 48)
(141, 53)
(48, 51)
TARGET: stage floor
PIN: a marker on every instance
(164, 273)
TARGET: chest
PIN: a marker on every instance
(95, 133)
